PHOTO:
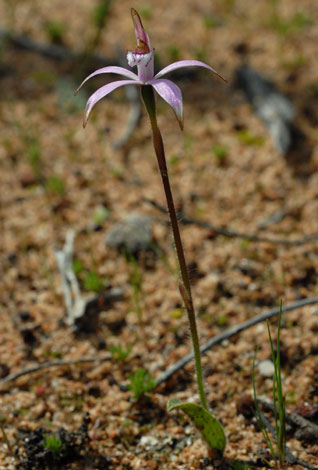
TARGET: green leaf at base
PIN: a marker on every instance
(210, 428)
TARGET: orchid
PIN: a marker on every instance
(143, 58)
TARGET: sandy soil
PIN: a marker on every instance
(56, 176)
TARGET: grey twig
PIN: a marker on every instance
(290, 458)
(75, 303)
(232, 234)
(81, 313)
(46, 365)
(306, 429)
(232, 331)
(52, 51)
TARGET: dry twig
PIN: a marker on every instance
(74, 302)
(46, 365)
(185, 360)
(81, 313)
(290, 458)
(232, 234)
(232, 331)
(306, 429)
(52, 51)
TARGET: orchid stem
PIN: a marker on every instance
(184, 285)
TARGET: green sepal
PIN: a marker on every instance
(210, 428)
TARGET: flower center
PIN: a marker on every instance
(144, 62)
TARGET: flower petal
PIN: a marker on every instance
(110, 69)
(102, 92)
(186, 63)
(171, 93)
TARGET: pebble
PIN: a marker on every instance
(266, 368)
(148, 442)
(132, 235)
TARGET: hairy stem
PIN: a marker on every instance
(184, 285)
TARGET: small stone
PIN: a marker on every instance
(132, 235)
(266, 368)
(148, 442)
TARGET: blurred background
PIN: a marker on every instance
(55, 174)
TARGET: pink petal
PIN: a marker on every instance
(102, 92)
(186, 63)
(171, 93)
(110, 69)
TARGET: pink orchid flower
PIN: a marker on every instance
(143, 58)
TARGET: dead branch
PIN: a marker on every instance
(81, 313)
(64, 54)
(46, 365)
(74, 302)
(52, 51)
(232, 234)
(232, 331)
(307, 430)
(290, 458)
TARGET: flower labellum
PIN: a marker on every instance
(143, 58)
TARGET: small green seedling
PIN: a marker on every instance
(52, 353)
(119, 353)
(100, 16)
(101, 13)
(55, 31)
(78, 266)
(101, 213)
(72, 402)
(247, 138)
(52, 442)
(278, 401)
(220, 152)
(93, 282)
(33, 153)
(174, 52)
(55, 185)
(283, 26)
(210, 21)
(239, 465)
(141, 383)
